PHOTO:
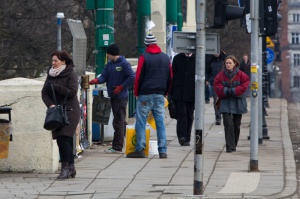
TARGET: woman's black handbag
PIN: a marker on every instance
(172, 109)
(56, 117)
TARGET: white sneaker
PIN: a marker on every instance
(111, 150)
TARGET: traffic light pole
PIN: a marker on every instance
(179, 15)
(254, 15)
(144, 16)
(260, 92)
(199, 96)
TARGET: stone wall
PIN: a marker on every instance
(32, 148)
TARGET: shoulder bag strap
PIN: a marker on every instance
(230, 81)
(53, 93)
(66, 97)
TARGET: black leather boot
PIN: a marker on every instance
(65, 171)
(72, 170)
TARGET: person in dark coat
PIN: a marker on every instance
(245, 66)
(230, 86)
(118, 76)
(63, 78)
(183, 93)
(213, 65)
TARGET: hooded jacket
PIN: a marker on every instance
(117, 73)
(154, 72)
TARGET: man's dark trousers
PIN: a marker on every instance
(185, 118)
(119, 111)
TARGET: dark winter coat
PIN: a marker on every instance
(153, 73)
(235, 104)
(245, 67)
(67, 79)
(213, 65)
(117, 73)
(183, 84)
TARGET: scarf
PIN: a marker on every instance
(54, 72)
(229, 73)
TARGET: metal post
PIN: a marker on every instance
(179, 15)
(265, 100)
(254, 15)
(260, 108)
(104, 31)
(171, 22)
(59, 16)
(144, 16)
(199, 96)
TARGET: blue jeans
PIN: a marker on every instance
(145, 104)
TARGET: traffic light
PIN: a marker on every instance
(246, 5)
(225, 12)
(271, 17)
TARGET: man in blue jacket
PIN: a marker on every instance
(118, 76)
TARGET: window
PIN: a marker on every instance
(295, 38)
(296, 17)
(296, 81)
(296, 60)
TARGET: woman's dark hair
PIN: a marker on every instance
(237, 63)
(63, 56)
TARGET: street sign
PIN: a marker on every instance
(270, 55)
(269, 42)
(185, 42)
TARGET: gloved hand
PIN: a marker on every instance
(230, 92)
(93, 81)
(118, 89)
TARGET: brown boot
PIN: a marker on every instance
(65, 171)
(72, 170)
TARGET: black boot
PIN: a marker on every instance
(72, 170)
(65, 171)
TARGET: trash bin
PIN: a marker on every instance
(4, 138)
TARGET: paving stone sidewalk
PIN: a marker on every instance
(226, 175)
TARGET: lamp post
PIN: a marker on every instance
(59, 16)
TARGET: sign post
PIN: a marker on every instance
(185, 42)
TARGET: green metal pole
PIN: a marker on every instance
(144, 17)
(179, 15)
(104, 31)
(171, 10)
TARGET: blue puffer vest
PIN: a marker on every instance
(154, 74)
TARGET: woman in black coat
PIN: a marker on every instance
(183, 93)
(63, 78)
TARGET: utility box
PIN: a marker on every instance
(105, 37)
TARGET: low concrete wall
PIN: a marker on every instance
(32, 148)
